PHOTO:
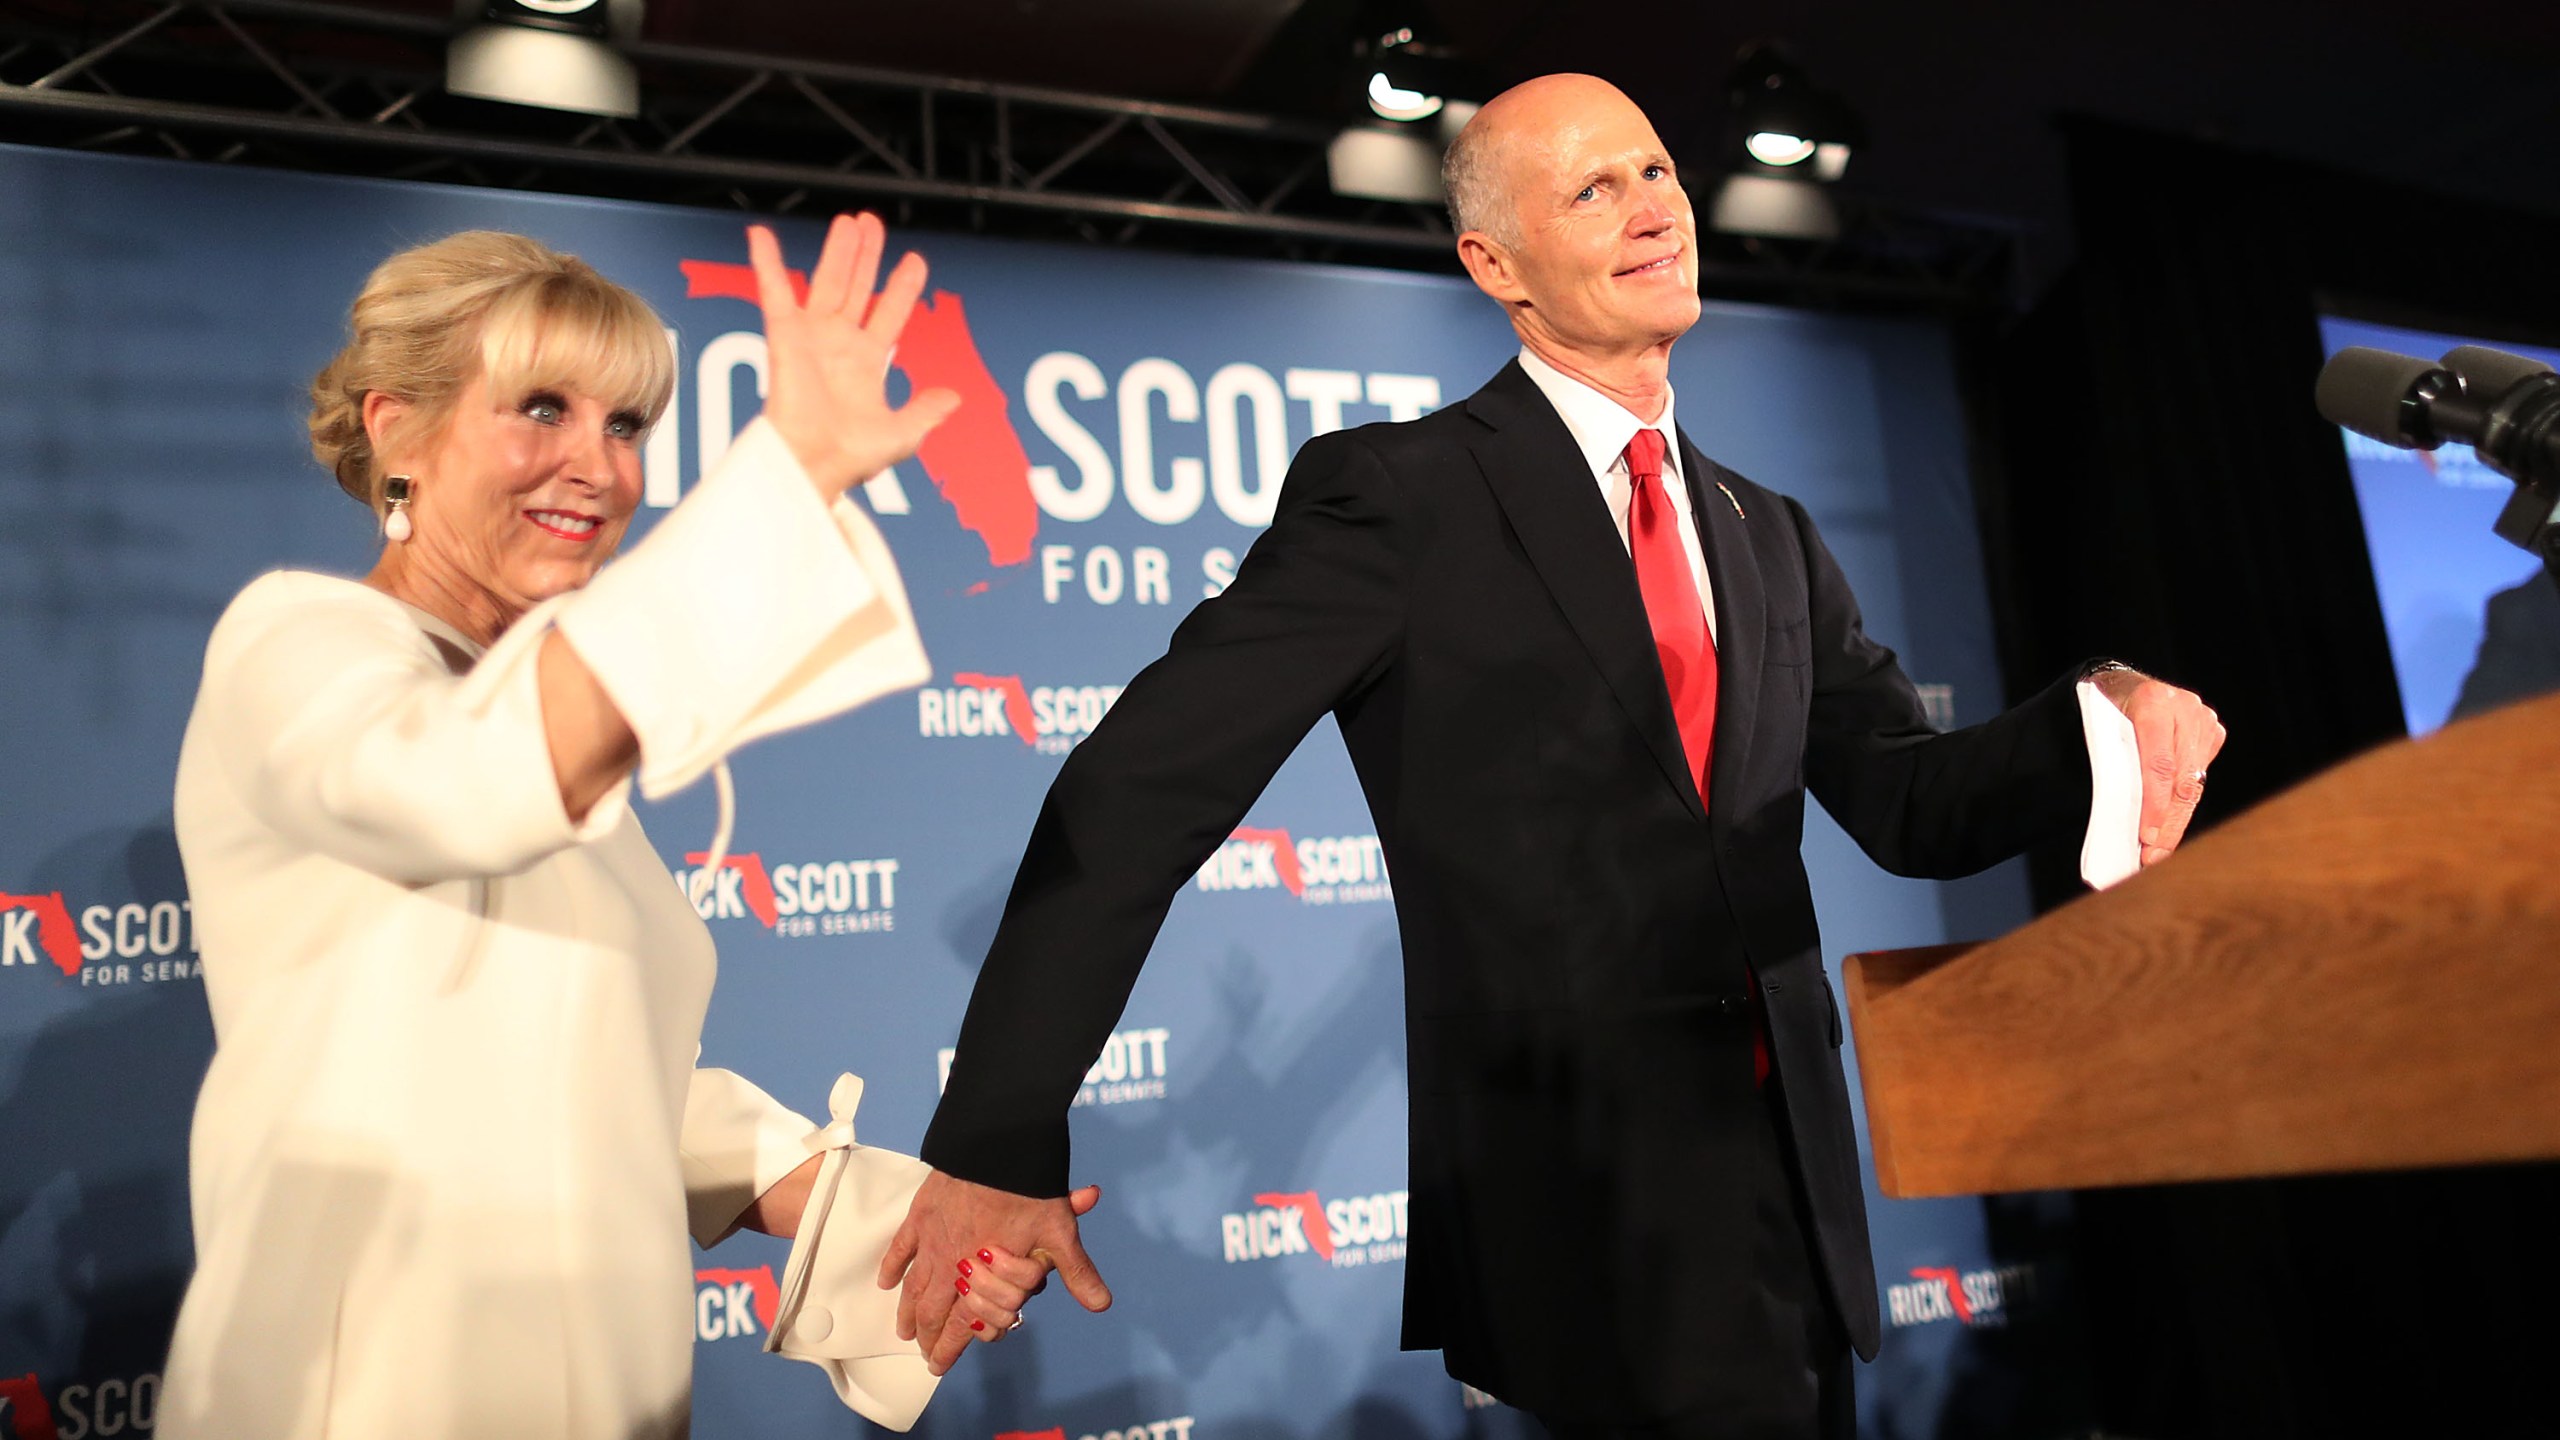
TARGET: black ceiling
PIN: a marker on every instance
(1959, 100)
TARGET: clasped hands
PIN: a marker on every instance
(969, 1257)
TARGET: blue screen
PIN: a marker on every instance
(2472, 620)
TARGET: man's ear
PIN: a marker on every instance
(1491, 267)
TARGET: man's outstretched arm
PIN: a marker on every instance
(1314, 615)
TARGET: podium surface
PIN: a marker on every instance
(2361, 973)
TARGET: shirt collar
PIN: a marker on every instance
(1601, 427)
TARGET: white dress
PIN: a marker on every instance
(452, 1140)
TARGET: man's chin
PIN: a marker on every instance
(1664, 320)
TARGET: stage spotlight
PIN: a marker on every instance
(1785, 120)
(1393, 103)
(1405, 82)
(1794, 138)
(557, 54)
(1770, 147)
(1406, 78)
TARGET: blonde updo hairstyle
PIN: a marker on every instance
(482, 302)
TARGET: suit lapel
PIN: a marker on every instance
(1539, 478)
(1742, 619)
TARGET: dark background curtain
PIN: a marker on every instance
(2158, 488)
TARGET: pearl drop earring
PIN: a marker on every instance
(395, 494)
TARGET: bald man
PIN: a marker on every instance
(1586, 676)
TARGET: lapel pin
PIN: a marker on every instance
(1730, 500)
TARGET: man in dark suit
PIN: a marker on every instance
(1586, 676)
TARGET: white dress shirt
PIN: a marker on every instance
(1601, 428)
(453, 1136)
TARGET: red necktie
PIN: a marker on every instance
(1680, 638)
(1671, 603)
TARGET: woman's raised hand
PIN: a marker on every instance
(827, 359)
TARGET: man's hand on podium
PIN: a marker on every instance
(2177, 735)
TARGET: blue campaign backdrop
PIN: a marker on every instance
(2437, 565)
(1130, 417)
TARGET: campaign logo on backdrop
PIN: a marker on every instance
(1045, 718)
(118, 1406)
(126, 944)
(1176, 1428)
(796, 898)
(1359, 1230)
(1132, 1066)
(1156, 439)
(977, 464)
(24, 1409)
(1967, 1297)
(734, 1302)
(1320, 870)
(37, 929)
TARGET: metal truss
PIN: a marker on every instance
(308, 85)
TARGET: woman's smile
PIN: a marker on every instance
(567, 525)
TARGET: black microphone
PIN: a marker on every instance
(2387, 397)
(2491, 372)
(2505, 407)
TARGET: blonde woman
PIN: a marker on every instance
(453, 1139)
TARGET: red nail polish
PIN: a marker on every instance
(960, 1285)
(977, 1324)
(986, 1257)
(964, 1268)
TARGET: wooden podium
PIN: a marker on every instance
(2362, 973)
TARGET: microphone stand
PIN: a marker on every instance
(2531, 519)
(2516, 434)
